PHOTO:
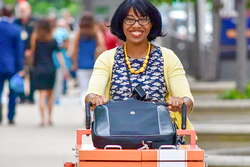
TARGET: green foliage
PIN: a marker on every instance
(231, 94)
(235, 94)
(43, 7)
(102, 10)
(12, 2)
(248, 4)
(67, 2)
(74, 8)
(247, 91)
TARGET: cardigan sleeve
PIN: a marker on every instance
(100, 80)
(175, 76)
(176, 81)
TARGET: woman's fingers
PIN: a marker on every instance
(175, 103)
(98, 100)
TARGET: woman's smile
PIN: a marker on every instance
(136, 33)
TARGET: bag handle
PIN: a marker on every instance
(88, 116)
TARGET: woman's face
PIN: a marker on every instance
(136, 33)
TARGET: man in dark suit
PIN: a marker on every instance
(27, 24)
(11, 56)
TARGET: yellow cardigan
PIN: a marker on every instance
(174, 74)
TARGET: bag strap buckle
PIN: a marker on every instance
(144, 147)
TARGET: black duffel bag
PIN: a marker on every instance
(132, 124)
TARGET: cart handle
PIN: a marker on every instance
(183, 113)
(88, 116)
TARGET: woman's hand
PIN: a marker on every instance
(21, 73)
(96, 100)
(175, 103)
(74, 66)
(28, 53)
(65, 73)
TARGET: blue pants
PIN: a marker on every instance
(12, 95)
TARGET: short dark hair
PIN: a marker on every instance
(145, 8)
(7, 10)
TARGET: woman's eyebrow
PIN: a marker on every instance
(130, 15)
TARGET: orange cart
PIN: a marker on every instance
(188, 155)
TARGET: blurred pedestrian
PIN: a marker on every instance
(69, 19)
(88, 44)
(11, 57)
(28, 23)
(73, 28)
(61, 35)
(111, 41)
(42, 46)
(52, 17)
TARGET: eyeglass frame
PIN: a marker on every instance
(137, 20)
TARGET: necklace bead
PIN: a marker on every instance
(144, 64)
(132, 70)
(142, 69)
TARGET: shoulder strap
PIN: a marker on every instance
(163, 51)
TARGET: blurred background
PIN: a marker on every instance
(212, 40)
(202, 33)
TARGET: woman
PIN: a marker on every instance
(89, 43)
(158, 69)
(42, 45)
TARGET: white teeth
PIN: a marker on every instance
(136, 33)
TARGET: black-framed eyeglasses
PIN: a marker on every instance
(131, 21)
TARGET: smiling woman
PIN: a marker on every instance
(144, 10)
(139, 62)
(135, 31)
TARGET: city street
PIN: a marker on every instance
(26, 144)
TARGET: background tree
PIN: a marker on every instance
(195, 63)
(241, 41)
(212, 72)
(241, 46)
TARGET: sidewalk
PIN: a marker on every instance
(26, 144)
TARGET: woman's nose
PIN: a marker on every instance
(136, 24)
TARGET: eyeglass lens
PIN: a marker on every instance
(131, 21)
